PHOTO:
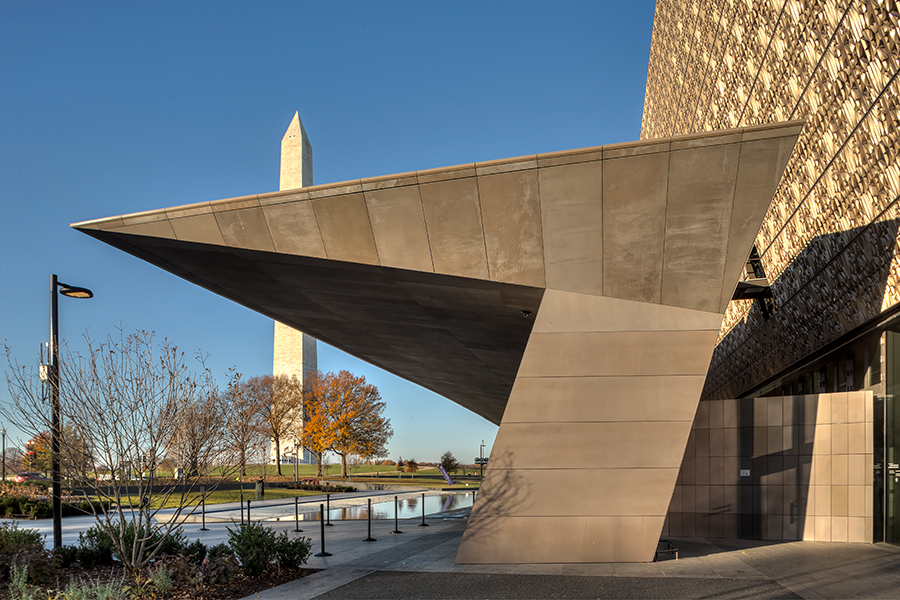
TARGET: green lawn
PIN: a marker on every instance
(223, 496)
(420, 481)
(374, 473)
(254, 471)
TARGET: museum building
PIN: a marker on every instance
(702, 319)
(810, 449)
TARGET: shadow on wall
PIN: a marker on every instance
(836, 283)
(778, 468)
(820, 471)
(503, 493)
(777, 476)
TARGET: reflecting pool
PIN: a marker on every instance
(407, 508)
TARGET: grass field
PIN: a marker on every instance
(223, 496)
(254, 471)
(426, 482)
(427, 477)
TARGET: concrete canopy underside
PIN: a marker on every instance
(623, 258)
(462, 338)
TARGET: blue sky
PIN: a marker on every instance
(119, 107)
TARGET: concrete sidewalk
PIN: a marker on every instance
(278, 513)
(419, 564)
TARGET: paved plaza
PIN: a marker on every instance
(419, 563)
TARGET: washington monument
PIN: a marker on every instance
(294, 351)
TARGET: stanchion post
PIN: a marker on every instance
(396, 505)
(322, 521)
(370, 538)
(203, 508)
(328, 522)
(423, 524)
(297, 515)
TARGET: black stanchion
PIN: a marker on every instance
(322, 521)
(396, 504)
(203, 508)
(370, 538)
(423, 524)
(297, 515)
(248, 511)
(328, 522)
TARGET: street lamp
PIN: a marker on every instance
(297, 451)
(3, 432)
(481, 452)
(53, 375)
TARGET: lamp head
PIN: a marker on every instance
(75, 292)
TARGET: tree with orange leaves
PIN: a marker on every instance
(74, 452)
(37, 452)
(314, 434)
(344, 415)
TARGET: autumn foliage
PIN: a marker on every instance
(344, 415)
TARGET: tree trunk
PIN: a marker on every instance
(343, 466)
(243, 462)
(277, 455)
(319, 472)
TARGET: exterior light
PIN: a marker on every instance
(53, 380)
(75, 292)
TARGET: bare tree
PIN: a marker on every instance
(190, 445)
(280, 399)
(129, 402)
(245, 432)
(15, 461)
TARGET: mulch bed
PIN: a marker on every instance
(240, 587)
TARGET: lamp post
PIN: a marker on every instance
(297, 451)
(53, 373)
(481, 453)
(3, 432)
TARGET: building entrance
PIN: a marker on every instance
(887, 446)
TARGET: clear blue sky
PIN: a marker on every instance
(117, 107)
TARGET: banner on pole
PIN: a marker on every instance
(444, 473)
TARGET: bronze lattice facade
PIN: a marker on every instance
(828, 244)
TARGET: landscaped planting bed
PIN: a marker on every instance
(254, 559)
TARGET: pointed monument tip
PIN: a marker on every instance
(295, 125)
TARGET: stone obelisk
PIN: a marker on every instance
(294, 351)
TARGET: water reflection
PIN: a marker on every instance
(407, 508)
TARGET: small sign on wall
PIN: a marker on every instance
(745, 472)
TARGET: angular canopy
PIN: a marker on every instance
(573, 297)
